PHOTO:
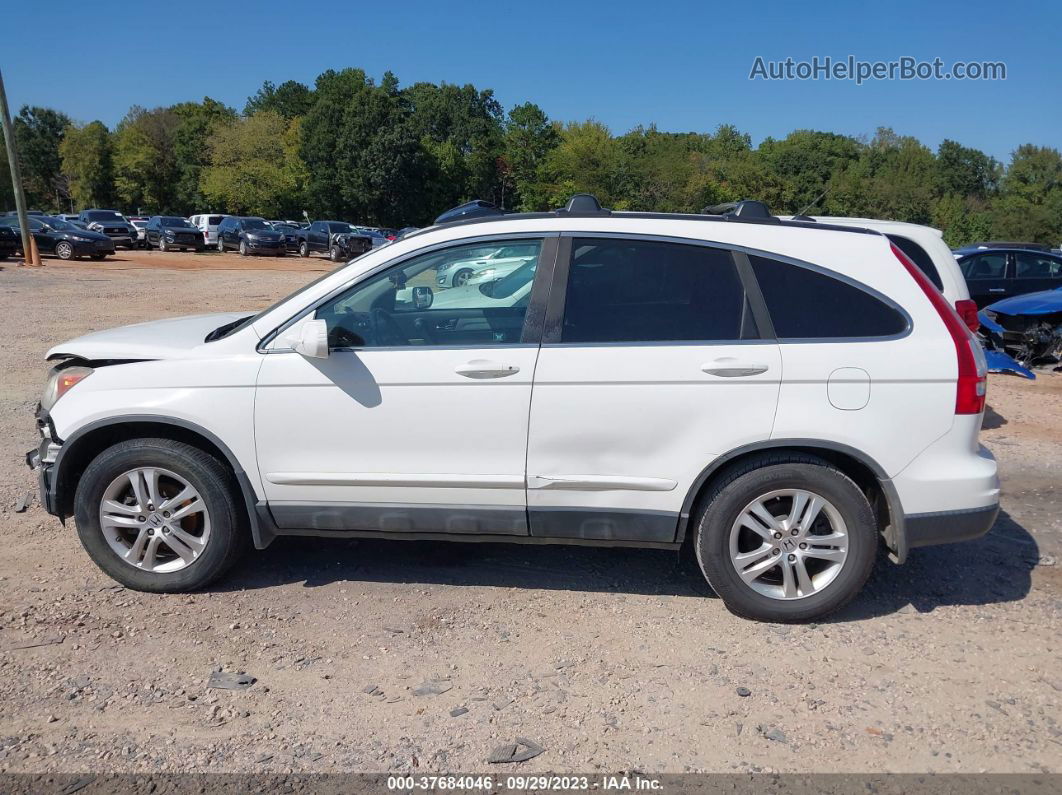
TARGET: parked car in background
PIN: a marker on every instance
(1027, 327)
(493, 264)
(10, 241)
(973, 248)
(378, 237)
(170, 232)
(785, 397)
(208, 223)
(320, 238)
(995, 273)
(140, 225)
(348, 245)
(250, 235)
(111, 223)
(61, 239)
(14, 213)
(290, 232)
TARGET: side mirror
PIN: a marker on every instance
(423, 297)
(313, 339)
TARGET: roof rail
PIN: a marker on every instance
(745, 209)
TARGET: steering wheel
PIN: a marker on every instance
(385, 329)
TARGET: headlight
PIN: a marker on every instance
(61, 381)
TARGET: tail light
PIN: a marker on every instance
(973, 371)
(968, 312)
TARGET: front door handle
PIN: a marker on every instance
(734, 370)
(484, 368)
(997, 289)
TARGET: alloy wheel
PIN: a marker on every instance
(154, 520)
(789, 544)
(64, 250)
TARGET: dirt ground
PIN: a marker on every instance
(610, 659)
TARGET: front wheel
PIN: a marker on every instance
(163, 245)
(159, 515)
(786, 538)
(304, 249)
(64, 250)
(461, 277)
(243, 248)
(335, 254)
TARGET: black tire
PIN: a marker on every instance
(335, 254)
(163, 245)
(64, 250)
(461, 277)
(221, 245)
(243, 248)
(304, 249)
(736, 488)
(213, 481)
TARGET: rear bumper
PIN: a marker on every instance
(948, 527)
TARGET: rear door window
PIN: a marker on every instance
(1029, 265)
(623, 290)
(808, 304)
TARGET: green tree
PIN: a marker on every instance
(290, 99)
(964, 171)
(39, 131)
(197, 121)
(806, 160)
(87, 162)
(529, 138)
(587, 160)
(145, 166)
(254, 167)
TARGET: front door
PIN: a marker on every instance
(651, 367)
(986, 276)
(417, 420)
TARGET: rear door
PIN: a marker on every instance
(1035, 271)
(651, 366)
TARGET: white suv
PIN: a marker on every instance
(777, 394)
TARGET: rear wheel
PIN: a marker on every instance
(786, 538)
(159, 515)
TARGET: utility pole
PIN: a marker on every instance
(29, 245)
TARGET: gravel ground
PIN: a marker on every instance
(377, 656)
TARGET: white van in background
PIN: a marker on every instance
(208, 225)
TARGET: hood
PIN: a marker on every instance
(172, 338)
(1046, 302)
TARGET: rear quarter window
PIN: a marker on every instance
(807, 304)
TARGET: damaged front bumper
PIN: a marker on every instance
(42, 461)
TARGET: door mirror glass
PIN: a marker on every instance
(313, 339)
(423, 297)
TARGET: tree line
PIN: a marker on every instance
(350, 147)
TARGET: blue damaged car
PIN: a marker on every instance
(1027, 327)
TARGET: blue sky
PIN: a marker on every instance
(684, 66)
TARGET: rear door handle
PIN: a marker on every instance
(997, 289)
(483, 368)
(734, 370)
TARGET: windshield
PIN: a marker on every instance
(103, 215)
(336, 226)
(255, 223)
(167, 220)
(66, 226)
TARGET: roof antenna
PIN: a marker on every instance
(815, 201)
